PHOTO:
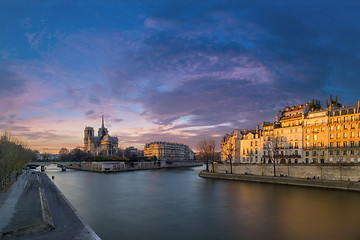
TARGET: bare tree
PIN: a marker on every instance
(206, 148)
(271, 146)
(229, 156)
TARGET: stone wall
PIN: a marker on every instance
(324, 172)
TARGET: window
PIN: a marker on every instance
(307, 137)
(307, 153)
(352, 134)
(255, 143)
(315, 137)
(352, 118)
(330, 152)
(344, 144)
(337, 135)
(345, 126)
(352, 144)
(331, 136)
(331, 128)
(332, 120)
(345, 135)
(352, 126)
(314, 153)
(331, 144)
(344, 152)
(338, 127)
(338, 120)
(337, 144)
(345, 119)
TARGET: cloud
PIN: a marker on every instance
(182, 71)
(11, 84)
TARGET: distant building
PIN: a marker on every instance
(133, 150)
(103, 144)
(169, 151)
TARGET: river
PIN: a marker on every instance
(177, 204)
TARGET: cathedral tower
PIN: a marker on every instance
(88, 134)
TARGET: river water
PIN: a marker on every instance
(177, 204)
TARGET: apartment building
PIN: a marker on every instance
(302, 134)
(230, 145)
(168, 151)
(344, 134)
(251, 146)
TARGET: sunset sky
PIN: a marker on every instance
(169, 70)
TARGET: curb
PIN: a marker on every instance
(87, 227)
(46, 225)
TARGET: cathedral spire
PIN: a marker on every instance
(102, 117)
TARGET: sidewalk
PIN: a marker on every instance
(34, 208)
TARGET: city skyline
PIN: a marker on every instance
(160, 71)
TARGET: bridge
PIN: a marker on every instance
(60, 164)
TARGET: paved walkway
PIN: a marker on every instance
(21, 207)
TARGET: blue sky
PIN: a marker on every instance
(175, 71)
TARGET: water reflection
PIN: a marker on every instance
(177, 204)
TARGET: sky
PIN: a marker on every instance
(178, 71)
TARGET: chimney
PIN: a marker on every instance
(257, 128)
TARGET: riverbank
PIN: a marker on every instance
(34, 208)
(107, 167)
(329, 184)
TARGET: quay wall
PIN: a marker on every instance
(302, 182)
(121, 166)
(322, 172)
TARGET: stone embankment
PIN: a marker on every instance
(338, 172)
(132, 166)
(339, 185)
(321, 176)
(34, 208)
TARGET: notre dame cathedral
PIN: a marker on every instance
(102, 144)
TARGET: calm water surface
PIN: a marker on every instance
(177, 204)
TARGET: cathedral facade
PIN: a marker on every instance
(103, 144)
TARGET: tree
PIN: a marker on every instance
(271, 146)
(64, 154)
(153, 158)
(77, 155)
(206, 148)
(13, 155)
(229, 155)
